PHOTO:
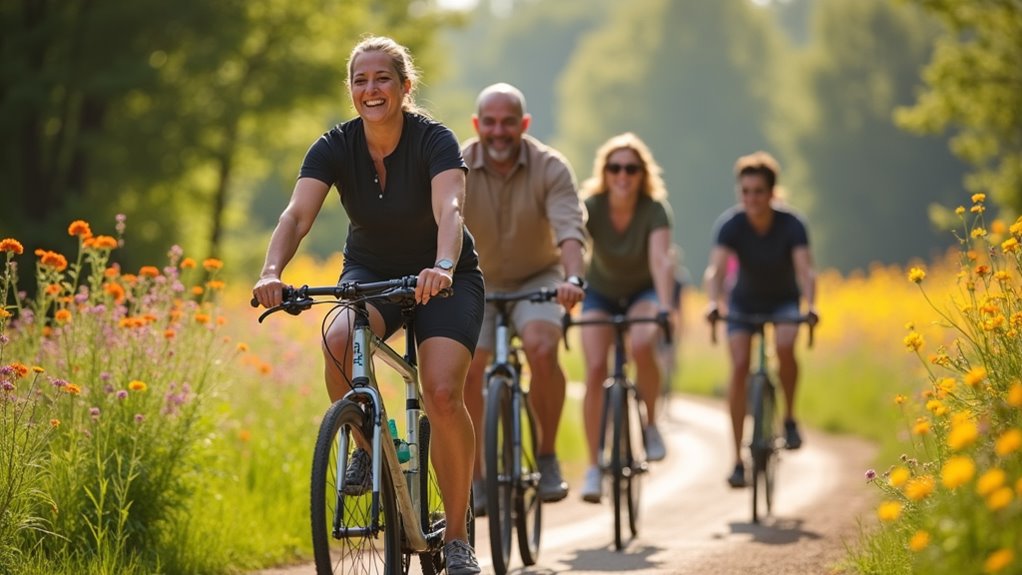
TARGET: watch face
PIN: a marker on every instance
(445, 264)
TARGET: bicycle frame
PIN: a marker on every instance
(505, 361)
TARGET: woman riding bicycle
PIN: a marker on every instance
(401, 179)
(631, 273)
(775, 271)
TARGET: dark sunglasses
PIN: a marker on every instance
(630, 169)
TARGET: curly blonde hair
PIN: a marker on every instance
(652, 183)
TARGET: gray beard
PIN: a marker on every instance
(500, 156)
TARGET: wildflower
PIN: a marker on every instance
(916, 275)
(920, 539)
(1000, 499)
(212, 264)
(202, 318)
(139, 418)
(936, 407)
(1010, 246)
(871, 474)
(960, 210)
(149, 271)
(215, 285)
(979, 233)
(50, 259)
(975, 376)
(197, 290)
(54, 423)
(998, 560)
(122, 394)
(1016, 228)
(137, 385)
(242, 347)
(72, 389)
(913, 341)
(62, 316)
(1015, 394)
(957, 471)
(899, 475)
(889, 511)
(244, 435)
(94, 412)
(4, 314)
(37, 369)
(115, 290)
(1008, 442)
(919, 488)
(104, 243)
(963, 434)
(989, 481)
(978, 198)
(79, 228)
(169, 333)
(921, 427)
(977, 209)
(11, 245)
(187, 264)
(7, 386)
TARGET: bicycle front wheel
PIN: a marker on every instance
(620, 456)
(528, 505)
(347, 536)
(763, 445)
(499, 459)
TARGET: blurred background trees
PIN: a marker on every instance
(192, 117)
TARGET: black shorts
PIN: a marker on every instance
(458, 317)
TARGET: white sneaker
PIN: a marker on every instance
(655, 450)
(592, 485)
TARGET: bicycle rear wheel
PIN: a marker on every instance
(499, 459)
(762, 446)
(344, 536)
(528, 505)
(620, 456)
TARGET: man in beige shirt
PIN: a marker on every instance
(523, 209)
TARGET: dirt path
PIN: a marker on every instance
(693, 523)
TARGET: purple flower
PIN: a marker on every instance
(4, 340)
(94, 412)
(6, 371)
(81, 297)
(57, 382)
(122, 394)
(139, 417)
(871, 474)
(7, 386)
(108, 388)
(104, 376)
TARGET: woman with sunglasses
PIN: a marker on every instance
(631, 272)
(775, 272)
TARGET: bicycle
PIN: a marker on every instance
(766, 440)
(403, 511)
(622, 454)
(510, 436)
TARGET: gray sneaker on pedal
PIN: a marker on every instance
(655, 449)
(552, 487)
(479, 498)
(357, 475)
(460, 558)
(592, 485)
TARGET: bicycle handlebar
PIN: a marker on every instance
(620, 322)
(535, 296)
(297, 300)
(758, 321)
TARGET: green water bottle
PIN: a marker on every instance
(403, 453)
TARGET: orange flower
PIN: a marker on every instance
(20, 369)
(149, 271)
(4, 314)
(212, 264)
(54, 423)
(11, 245)
(187, 264)
(137, 385)
(215, 285)
(130, 279)
(169, 333)
(112, 271)
(72, 389)
(202, 318)
(62, 316)
(79, 228)
(242, 347)
(53, 289)
(115, 290)
(104, 242)
(52, 260)
(197, 290)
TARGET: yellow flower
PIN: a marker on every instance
(920, 539)
(137, 385)
(978, 198)
(242, 347)
(922, 426)
(919, 488)
(1008, 442)
(889, 511)
(37, 369)
(899, 399)
(998, 560)
(977, 209)
(1000, 499)
(960, 210)
(913, 341)
(963, 433)
(936, 407)
(899, 475)
(1010, 246)
(957, 471)
(975, 376)
(916, 275)
(979, 232)
(989, 481)
(1015, 394)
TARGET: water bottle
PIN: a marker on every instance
(403, 452)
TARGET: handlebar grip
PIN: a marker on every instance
(254, 302)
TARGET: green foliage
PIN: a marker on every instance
(864, 179)
(974, 88)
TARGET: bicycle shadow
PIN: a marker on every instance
(607, 559)
(775, 531)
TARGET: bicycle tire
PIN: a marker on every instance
(619, 477)
(350, 554)
(528, 504)
(636, 457)
(763, 450)
(498, 453)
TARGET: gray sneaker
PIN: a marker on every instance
(357, 475)
(655, 450)
(460, 558)
(479, 497)
(552, 486)
(592, 485)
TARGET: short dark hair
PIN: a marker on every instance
(759, 163)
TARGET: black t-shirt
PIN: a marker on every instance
(393, 231)
(766, 269)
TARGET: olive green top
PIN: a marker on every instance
(619, 266)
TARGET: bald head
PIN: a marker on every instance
(502, 91)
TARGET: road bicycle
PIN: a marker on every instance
(622, 454)
(766, 440)
(379, 529)
(510, 442)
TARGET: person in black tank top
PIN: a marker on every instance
(401, 179)
(775, 272)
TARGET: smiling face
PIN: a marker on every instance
(500, 124)
(623, 173)
(755, 194)
(377, 90)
